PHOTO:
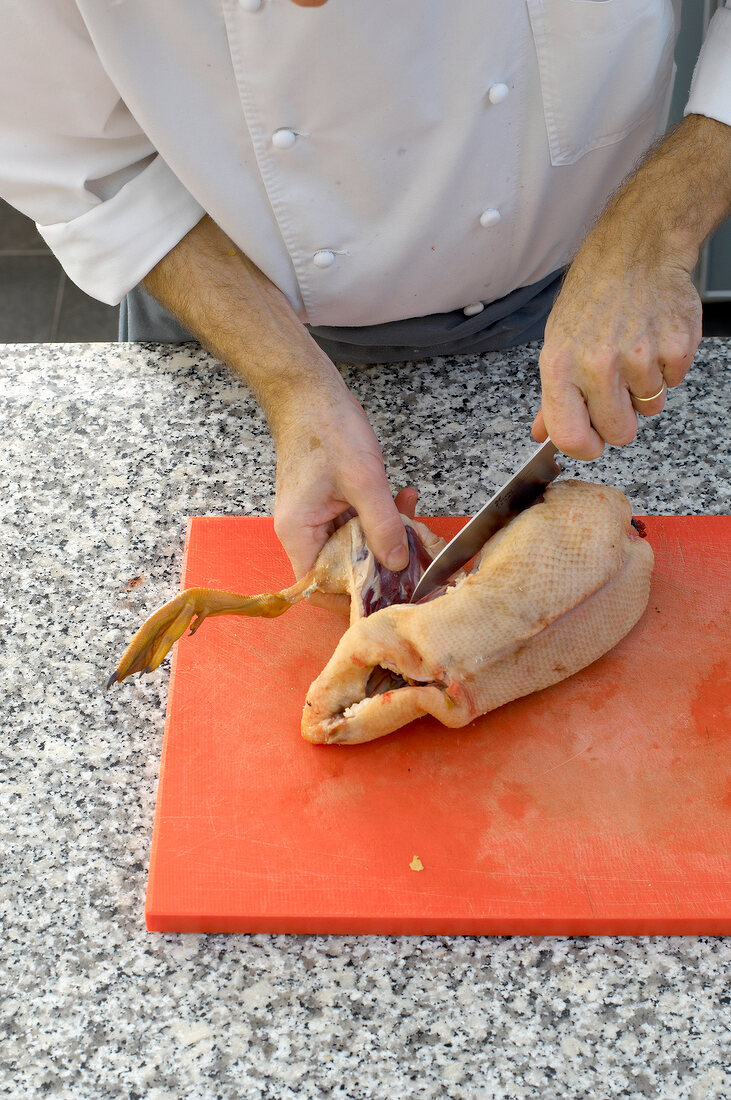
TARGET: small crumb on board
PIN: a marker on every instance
(416, 864)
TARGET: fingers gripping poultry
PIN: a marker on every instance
(550, 593)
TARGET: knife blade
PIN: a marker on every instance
(522, 489)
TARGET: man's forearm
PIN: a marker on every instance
(243, 319)
(679, 193)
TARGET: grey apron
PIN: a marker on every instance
(515, 319)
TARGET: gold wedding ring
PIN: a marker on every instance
(654, 396)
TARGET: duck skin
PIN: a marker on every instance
(549, 594)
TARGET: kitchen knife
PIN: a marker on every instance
(523, 488)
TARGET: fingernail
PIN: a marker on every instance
(397, 559)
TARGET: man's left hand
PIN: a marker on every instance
(627, 321)
(624, 328)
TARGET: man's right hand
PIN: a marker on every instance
(328, 459)
(329, 464)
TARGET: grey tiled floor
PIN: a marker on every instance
(39, 303)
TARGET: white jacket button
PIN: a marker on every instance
(489, 217)
(324, 258)
(250, 5)
(497, 93)
(475, 308)
(283, 138)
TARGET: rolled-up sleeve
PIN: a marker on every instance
(710, 90)
(73, 158)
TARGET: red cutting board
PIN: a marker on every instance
(601, 805)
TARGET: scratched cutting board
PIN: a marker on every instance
(601, 805)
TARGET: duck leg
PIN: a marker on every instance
(155, 638)
(345, 566)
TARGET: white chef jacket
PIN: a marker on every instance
(377, 161)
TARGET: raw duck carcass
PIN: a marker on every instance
(549, 594)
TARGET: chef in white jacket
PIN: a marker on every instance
(381, 181)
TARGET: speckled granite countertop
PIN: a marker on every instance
(106, 450)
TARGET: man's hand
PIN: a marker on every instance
(329, 466)
(328, 459)
(624, 326)
(627, 321)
